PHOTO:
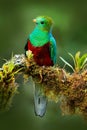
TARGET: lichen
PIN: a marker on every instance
(69, 89)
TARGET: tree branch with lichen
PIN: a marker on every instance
(58, 84)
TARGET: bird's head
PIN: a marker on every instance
(43, 23)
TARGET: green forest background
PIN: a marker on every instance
(70, 31)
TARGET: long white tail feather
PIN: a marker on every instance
(40, 101)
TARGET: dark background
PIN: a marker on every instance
(70, 31)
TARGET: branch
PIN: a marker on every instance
(58, 85)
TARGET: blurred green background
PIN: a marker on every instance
(70, 31)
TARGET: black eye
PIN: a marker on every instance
(42, 22)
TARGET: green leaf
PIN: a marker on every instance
(67, 63)
(82, 61)
(77, 57)
(72, 58)
(10, 66)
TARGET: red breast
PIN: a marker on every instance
(41, 54)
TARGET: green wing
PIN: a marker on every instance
(53, 49)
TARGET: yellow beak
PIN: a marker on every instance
(34, 20)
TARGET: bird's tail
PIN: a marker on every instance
(40, 101)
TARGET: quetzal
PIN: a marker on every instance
(43, 46)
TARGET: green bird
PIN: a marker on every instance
(43, 46)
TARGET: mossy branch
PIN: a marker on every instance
(59, 85)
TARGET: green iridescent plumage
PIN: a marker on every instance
(42, 34)
(39, 37)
